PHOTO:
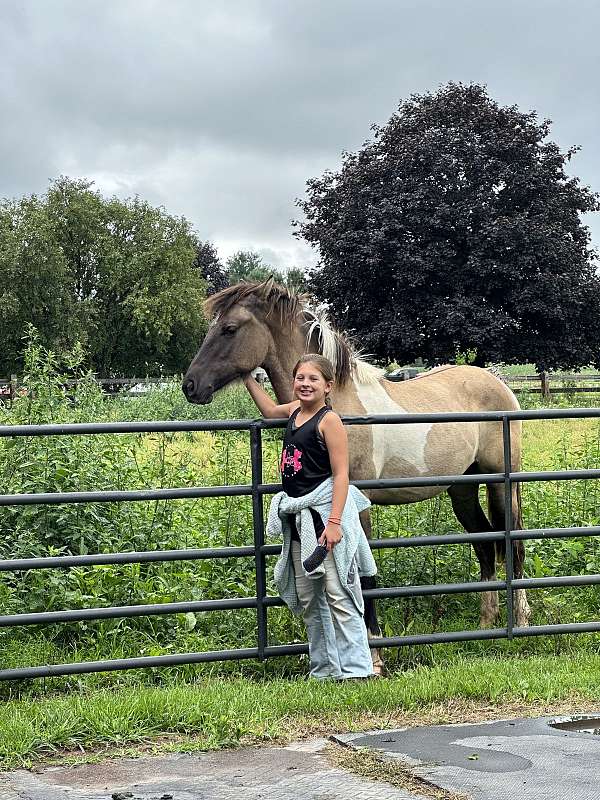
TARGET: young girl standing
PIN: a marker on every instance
(317, 505)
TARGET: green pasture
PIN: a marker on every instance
(131, 461)
(227, 703)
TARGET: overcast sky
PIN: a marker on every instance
(221, 111)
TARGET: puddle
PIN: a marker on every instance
(580, 723)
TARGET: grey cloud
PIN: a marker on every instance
(222, 111)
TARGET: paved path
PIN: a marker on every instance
(517, 759)
(296, 772)
(521, 759)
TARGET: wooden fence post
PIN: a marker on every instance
(545, 381)
(13, 388)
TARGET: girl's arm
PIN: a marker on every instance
(336, 439)
(266, 405)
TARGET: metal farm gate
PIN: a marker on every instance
(259, 550)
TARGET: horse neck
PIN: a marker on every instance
(344, 399)
(288, 344)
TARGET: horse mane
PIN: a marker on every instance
(277, 299)
(321, 337)
(338, 348)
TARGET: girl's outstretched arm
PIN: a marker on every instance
(266, 405)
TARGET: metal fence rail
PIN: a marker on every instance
(259, 551)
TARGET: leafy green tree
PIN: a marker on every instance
(35, 282)
(246, 265)
(116, 275)
(457, 228)
(296, 279)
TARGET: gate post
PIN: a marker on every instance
(259, 536)
(508, 524)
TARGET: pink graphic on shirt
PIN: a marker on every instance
(291, 461)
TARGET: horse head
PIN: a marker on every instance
(246, 331)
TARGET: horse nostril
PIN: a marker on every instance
(188, 387)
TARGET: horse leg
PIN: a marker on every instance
(370, 617)
(496, 506)
(468, 510)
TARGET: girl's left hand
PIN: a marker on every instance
(331, 535)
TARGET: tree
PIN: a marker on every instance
(210, 267)
(457, 228)
(246, 265)
(35, 283)
(116, 275)
(296, 279)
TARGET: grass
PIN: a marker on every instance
(368, 764)
(227, 705)
(217, 712)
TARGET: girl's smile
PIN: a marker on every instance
(309, 385)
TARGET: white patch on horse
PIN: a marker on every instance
(407, 442)
(329, 343)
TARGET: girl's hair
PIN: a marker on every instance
(324, 366)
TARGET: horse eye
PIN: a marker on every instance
(229, 330)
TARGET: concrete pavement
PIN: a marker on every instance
(517, 759)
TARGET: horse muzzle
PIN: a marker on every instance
(194, 393)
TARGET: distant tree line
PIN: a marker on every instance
(245, 265)
(121, 277)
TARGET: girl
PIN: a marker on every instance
(316, 504)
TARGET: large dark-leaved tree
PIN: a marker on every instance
(209, 265)
(457, 228)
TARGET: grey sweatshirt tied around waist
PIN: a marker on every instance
(353, 552)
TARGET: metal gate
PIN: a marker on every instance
(259, 550)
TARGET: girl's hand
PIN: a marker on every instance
(331, 535)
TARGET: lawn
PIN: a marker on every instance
(226, 712)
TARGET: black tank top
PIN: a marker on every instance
(304, 461)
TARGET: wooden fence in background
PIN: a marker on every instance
(544, 383)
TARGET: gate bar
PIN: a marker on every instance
(508, 525)
(258, 525)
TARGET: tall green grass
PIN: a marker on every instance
(219, 712)
(131, 461)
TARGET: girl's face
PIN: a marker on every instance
(309, 384)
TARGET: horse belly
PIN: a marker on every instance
(422, 450)
(409, 450)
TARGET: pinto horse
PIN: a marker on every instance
(263, 324)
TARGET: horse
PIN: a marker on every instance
(263, 324)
